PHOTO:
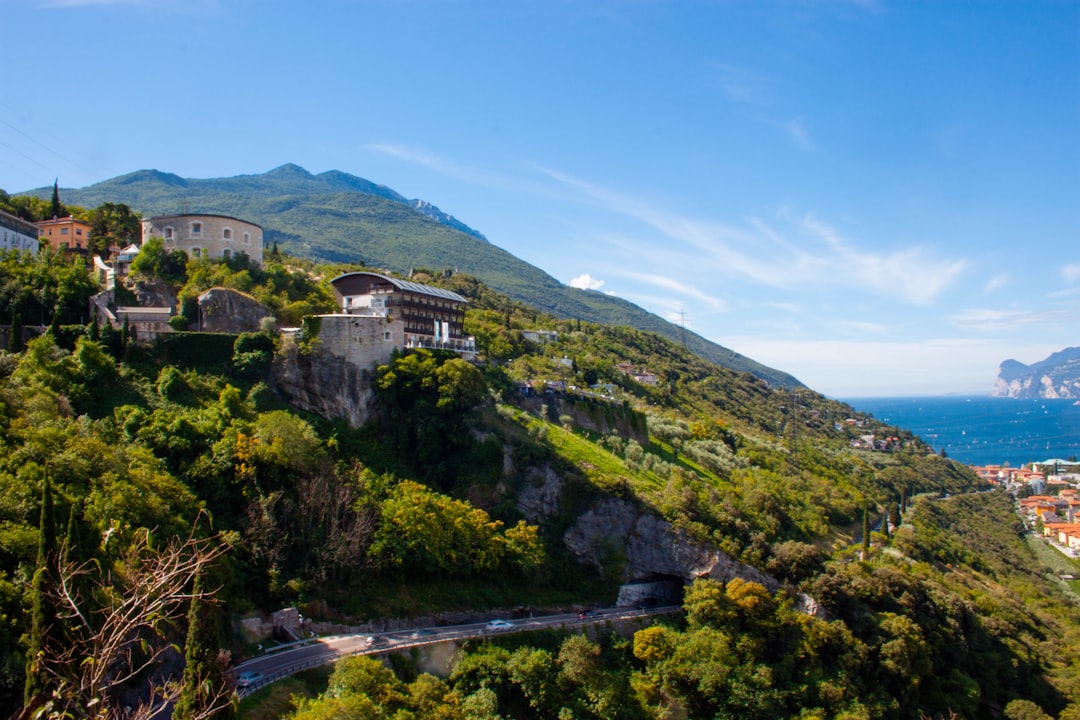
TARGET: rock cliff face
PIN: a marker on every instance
(1058, 376)
(324, 384)
(229, 311)
(650, 547)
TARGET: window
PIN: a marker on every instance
(386, 335)
(247, 238)
(196, 252)
(78, 231)
(226, 234)
(196, 228)
(168, 233)
(63, 231)
(226, 253)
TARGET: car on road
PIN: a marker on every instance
(247, 679)
(586, 614)
(498, 625)
(422, 634)
(375, 640)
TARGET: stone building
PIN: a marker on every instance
(206, 235)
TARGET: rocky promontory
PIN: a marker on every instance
(1058, 376)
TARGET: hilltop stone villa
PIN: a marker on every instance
(206, 235)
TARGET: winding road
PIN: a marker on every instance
(276, 665)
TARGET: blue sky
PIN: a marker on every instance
(879, 197)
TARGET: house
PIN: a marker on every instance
(17, 234)
(540, 336)
(65, 234)
(124, 257)
(206, 235)
(429, 317)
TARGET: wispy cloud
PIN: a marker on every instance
(440, 164)
(680, 287)
(863, 368)
(997, 283)
(1071, 272)
(799, 134)
(802, 252)
(741, 85)
(988, 320)
(586, 282)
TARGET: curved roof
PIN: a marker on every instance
(406, 286)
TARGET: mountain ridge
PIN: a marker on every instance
(1056, 376)
(339, 217)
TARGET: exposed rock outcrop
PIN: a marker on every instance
(157, 294)
(1058, 376)
(324, 384)
(650, 547)
(230, 311)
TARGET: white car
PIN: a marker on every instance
(499, 625)
(247, 679)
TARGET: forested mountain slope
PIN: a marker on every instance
(337, 217)
(124, 461)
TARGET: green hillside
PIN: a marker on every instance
(336, 217)
(153, 494)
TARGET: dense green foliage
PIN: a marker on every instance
(418, 512)
(902, 639)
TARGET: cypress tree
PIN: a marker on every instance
(866, 527)
(43, 620)
(203, 681)
(57, 208)
(894, 515)
(15, 341)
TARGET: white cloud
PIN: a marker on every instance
(851, 368)
(799, 134)
(741, 85)
(997, 282)
(983, 319)
(801, 252)
(714, 304)
(586, 282)
(1071, 272)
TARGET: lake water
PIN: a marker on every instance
(984, 430)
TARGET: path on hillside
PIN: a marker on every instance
(272, 666)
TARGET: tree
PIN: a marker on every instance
(866, 527)
(113, 224)
(43, 643)
(1025, 710)
(894, 515)
(57, 209)
(204, 691)
(118, 619)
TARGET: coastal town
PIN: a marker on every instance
(1048, 498)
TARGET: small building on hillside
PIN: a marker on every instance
(430, 317)
(206, 235)
(65, 234)
(18, 234)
